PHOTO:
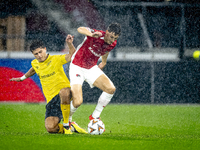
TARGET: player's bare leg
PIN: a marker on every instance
(77, 95)
(105, 84)
(65, 96)
(52, 125)
(108, 88)
(75, 103)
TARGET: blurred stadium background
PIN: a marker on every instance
(152, 62)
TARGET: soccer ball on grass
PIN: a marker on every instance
(96, 127)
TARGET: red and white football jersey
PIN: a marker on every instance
(89, 51)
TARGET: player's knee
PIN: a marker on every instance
(50, 128)
(65, 95)
(111, 90)
(77, 102)
(65, 92)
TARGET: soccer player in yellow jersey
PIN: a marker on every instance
(55, 86)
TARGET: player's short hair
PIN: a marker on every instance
(115, 28)
(36, 44)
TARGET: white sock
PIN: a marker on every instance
(104, 99)
(97, 111)
(72, 111)
(65, 124)
(70, 118)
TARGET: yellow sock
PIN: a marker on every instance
(65, 108)
(61, 128)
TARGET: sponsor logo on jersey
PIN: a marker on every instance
(46, 75)
(98, 55)
(78, 75)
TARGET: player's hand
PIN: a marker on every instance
(101, 65)
(69, 38)
(96, 34)
(16, 79)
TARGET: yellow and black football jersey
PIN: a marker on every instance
(52, 75)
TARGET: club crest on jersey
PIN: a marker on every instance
(78, 75)
(48, 63)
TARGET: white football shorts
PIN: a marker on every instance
(78, 75)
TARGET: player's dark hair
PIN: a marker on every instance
(36, 44)
(115, 28)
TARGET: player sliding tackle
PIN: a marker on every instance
(55, 86)
(83, 66)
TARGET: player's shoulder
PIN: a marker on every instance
(57, 56)
(111, 46)
(114, 43)
(34, 61)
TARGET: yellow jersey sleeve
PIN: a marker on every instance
(52, 75)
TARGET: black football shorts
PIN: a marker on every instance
(53, 108)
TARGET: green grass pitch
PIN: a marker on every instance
(128, 126)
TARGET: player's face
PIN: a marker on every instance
(40, 54)
(110, 37)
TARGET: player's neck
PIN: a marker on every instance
(47, 55)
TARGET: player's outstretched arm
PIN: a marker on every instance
(69, 41)
(30, 73)
(86, 32)
(104, 60)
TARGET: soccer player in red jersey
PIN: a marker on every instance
(83, 66)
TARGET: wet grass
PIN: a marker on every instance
(140, 127)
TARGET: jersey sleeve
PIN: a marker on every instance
(33, 63)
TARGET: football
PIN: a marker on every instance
(96, 127)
